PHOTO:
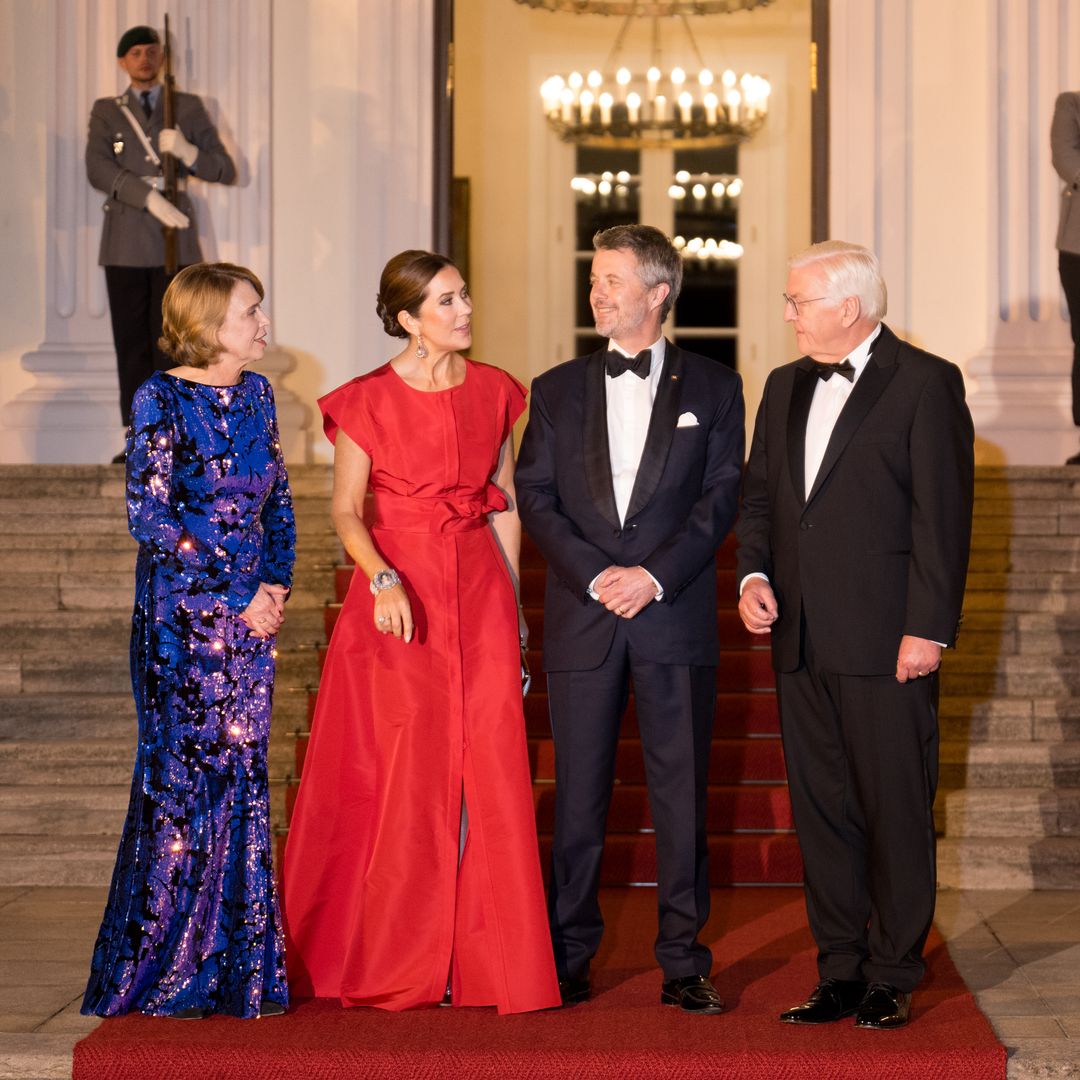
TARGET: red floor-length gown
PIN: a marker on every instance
(378, 910)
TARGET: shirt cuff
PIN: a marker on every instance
(591, 590)
(756, 573)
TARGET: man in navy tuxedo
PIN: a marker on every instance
(853, 548)
(628, 482)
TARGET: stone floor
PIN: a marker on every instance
(1019, 952)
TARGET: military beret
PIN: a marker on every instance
(137, 35)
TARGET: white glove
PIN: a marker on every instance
(165, 212)
(172, 141)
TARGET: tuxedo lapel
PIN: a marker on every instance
(597, 453)
(802, 394)
(665, 415)
(879, 369)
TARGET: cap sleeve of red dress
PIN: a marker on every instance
(345, 409)
(515, 400)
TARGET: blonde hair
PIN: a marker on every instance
(194, 307)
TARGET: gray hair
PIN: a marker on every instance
(658, 261)
(848, 270)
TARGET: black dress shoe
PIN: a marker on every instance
(271, 1008)
(120, 458)
(1074, 460)
(883, 1008)
(194, 1013)
(832, 999)
(693, 994)
(574, 991)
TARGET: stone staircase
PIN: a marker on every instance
(67, 720)
(1009, 807)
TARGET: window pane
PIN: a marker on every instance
(706, 214)
(582, 311)
(709, 293)
(720, 349)
(600, 209)
(588, 343)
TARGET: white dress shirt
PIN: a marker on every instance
(629, 410)
(830, 396)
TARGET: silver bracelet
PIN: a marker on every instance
(382, 580)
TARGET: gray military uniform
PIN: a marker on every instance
(118, 165)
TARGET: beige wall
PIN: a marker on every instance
(520, 172)
(25, 52)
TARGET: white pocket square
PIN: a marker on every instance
(687, 419)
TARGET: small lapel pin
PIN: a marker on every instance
(674, 378)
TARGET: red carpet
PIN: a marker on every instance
(764, 962)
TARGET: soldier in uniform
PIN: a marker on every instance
(123, 160)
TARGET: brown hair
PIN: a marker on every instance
(403, 286)
(194, 308)
(658, 261)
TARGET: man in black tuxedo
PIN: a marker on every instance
(853, 547)
(628, 482)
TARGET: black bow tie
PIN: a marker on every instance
(615, 363)
(827, 371)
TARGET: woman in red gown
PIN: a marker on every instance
(411, 866)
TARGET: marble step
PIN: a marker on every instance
(1044, 862)
(52, 810)
(96, 632)
(95, 762)
(313, 586)
(109, 672)
(112, 715)
(1012, 812)
(1010, 719)
(36, 1056)
(85, 859)
(1047, 765)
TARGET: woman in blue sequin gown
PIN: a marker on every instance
(192, 925)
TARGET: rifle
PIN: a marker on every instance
(168, 162)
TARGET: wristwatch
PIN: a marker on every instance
(384, 579)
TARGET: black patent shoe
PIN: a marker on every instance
(120, 458)
(193, 1013)
(271, 1008)
(692, 994)
(831, 999)
(574, 991)
(884, 1008)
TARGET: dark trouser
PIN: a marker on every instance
(862, 764)
(675, 717)
(135, 294)
(1069, 269)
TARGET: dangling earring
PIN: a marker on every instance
(421, 348)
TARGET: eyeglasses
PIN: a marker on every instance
(791, 302)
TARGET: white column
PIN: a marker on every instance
(1022, 406)
(71, 412)
(940, 161)
(870, 166)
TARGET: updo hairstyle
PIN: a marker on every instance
(403, 287)
(194, 307)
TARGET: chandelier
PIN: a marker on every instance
(618, 108)
(646, 7)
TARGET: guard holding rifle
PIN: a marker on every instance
(141, 149)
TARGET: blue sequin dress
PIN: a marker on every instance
(192, 919)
